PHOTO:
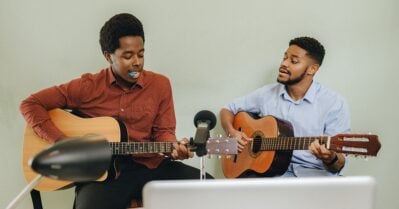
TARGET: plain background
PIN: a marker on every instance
(212, 51)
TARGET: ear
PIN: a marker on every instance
(108, 57)
(312, 69)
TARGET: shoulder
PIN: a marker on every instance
(325, 91)
(270, 89)
(95, 76)
(329, 96)
(88, 81)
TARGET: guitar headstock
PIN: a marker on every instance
(222, 146)
(356, 144)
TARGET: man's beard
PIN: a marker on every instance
(294, 80)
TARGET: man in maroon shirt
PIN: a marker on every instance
(141, 99)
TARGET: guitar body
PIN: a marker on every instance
(251, 161)
(71, 126)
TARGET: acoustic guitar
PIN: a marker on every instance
(109, 128)
(270, 151)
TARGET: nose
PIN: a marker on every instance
(136, 61)
(284, 62)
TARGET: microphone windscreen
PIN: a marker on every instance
(207, 117)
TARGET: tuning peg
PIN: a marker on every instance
(209, 156)
(228, 156)
(366, 158)
(219, 156)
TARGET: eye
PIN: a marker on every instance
(294, 61)
(127, 56)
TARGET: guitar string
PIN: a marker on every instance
(286, 143)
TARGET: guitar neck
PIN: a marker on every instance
(288, 143)
(126, 148)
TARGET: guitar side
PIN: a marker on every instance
(71, 126)
(263, 163)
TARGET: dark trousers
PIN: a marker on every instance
(117, 193)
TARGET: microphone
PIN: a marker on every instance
(205, 121)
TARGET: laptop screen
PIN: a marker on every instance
(270, 193)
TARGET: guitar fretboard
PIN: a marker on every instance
(287, 143)
(126, 148)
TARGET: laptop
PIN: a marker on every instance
(270, 193)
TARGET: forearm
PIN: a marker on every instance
(227, 119)
(37, 118)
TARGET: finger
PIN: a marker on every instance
(174, 154)
(240, 148)
(190, 154)
(242, 142)
(311, 149)
(184, 151)
(184, 141)
(324, 150)
(314, 148)
(318, 147)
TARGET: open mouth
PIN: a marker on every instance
(134, 74)
(283, 71)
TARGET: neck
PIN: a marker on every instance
(297, 91)
(125, 85)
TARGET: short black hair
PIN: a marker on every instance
(118, 26)
(312, 46)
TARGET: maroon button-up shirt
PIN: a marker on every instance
(146, 108)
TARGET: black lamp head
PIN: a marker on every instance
(76, 159)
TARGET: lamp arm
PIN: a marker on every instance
(24, 191)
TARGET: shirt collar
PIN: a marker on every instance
(309, 96)
(311, 93)
(140, 82)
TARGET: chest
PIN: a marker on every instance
(307, 119)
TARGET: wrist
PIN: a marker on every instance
(331, 162)
(230, 131)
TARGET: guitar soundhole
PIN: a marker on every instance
(256, 144)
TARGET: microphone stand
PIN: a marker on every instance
(204, 120)
(202, 168)
(24, 191)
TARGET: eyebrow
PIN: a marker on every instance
(292, 55)
(131, 52)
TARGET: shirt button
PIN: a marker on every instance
(122, 109)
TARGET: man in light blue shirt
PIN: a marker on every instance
(311, 108)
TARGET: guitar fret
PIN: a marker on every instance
(124, 148)
(150, 147)
(288, 143)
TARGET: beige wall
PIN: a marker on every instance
(213, 51)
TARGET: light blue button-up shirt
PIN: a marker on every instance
(320, 112)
